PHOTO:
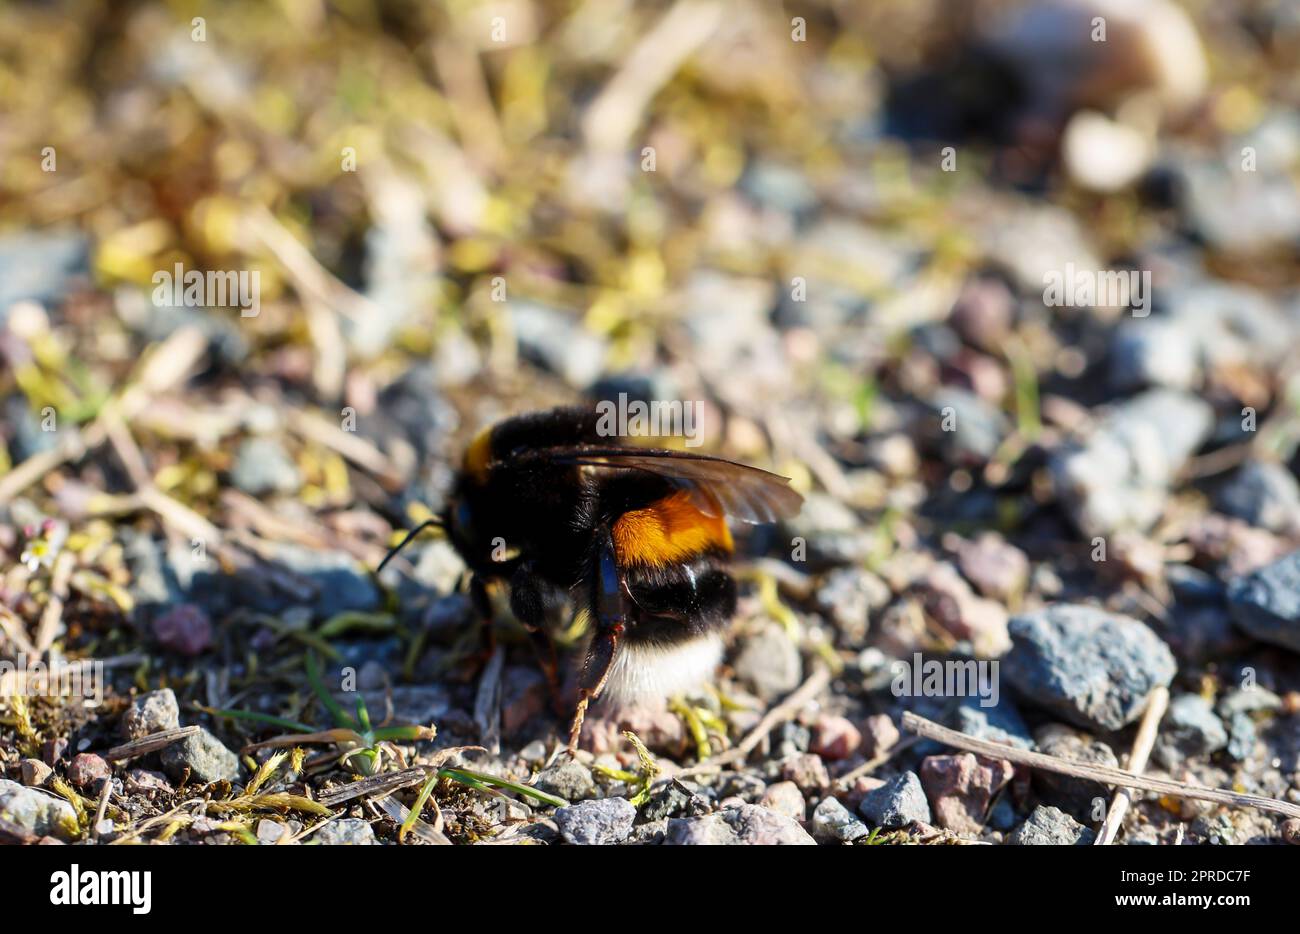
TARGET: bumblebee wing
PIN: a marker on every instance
(717, 486)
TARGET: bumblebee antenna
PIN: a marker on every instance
(427, 523)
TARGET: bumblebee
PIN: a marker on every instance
(637, 536)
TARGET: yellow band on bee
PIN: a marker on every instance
(478, 456)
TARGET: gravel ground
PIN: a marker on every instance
(873, 243)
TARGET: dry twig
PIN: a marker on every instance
(1097, 773)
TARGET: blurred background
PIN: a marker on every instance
(831, 222)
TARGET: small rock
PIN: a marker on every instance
(37, 812)
(203, 757)
(879, 735)
(1119, 479)
(1048, 826)
(1251, 700)
(709, 830)
(1241, 736)
(757, 826)
(742, 825)
(1265, 494)
(1190, 728)
(769, 663)
(1000, 723)
(1266, 603)
(850, 594)
(1091, 667)
(966, 430)
(961, 787)
(832, 821)
(950, 602)
(270, 831)
(983, 313)
(806, 770)
(672, 800)
(346, 831)
(523, 696)
(1291, 830)
(262, 467)
(557, 342)
(595, 823)
(146, 782)
(1155, 351)
(651, 833)
(785, 798)
(835, 738)
(40, 266)
(183, 629)
(87, 770)
(897, 803)
(35, 772)
(567, 778)
(149, 713)
(997, 569)
(1075, 795)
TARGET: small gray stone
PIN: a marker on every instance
(1266, 602)
(1048, 826)
(850, 594)
(1001, 723)
(832, 821)
(594, 823)
(151, 713)
(1093, 668)
(1190, 728)
(745, 824)
(757, 826)
(1265, 494)
(263, 467)
(346, 831)
(769, 662)
(1156, 351)
(1248, 701)
(569, 779)
(1076, 795)
(672, 800)
(205, 758)
(40, 266)
(1241, 736)
(1119, 478)
(709, 830)
(967, 430)
(785, 798)
(558, 342)
(35, 811)
(897, 803)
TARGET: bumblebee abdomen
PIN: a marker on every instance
(668, 530)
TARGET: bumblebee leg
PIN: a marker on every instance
(526, 604)
(481, 601)
(610, 607)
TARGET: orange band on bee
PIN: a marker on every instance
(668, 530)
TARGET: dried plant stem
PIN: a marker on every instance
(1157, 704)
(1097, 773)
(150, 743)
(787, 709)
